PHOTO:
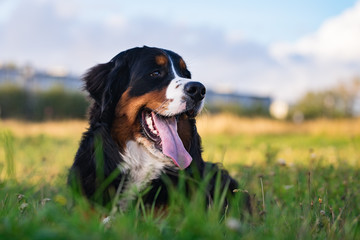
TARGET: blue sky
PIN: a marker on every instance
(278, 48)
(261, 20)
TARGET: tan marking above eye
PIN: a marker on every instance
(161, 60)
(182, 64)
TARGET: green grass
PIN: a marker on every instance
(310, 190)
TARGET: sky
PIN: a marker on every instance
(278, 48)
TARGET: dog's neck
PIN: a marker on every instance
(141, 167)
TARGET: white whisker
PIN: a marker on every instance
(161, 107)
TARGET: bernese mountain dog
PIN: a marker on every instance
(142, 130)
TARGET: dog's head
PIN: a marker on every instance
(146, 95)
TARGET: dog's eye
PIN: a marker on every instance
(155, 74)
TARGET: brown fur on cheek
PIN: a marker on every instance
(126, 125)
(184, 131)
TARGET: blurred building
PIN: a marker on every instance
(245, 103)
(32, 79)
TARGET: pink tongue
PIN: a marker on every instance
(172, 145)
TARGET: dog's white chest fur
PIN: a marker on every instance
(141, 167)
(140, 164)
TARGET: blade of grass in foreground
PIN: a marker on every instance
(8, 144)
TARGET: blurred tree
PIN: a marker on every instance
(55, 103)
(335, 102)
(12, 101)
(256, 110)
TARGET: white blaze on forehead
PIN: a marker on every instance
(175, 93)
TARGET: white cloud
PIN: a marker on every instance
(50, 33)
(337, 40)
(115, 21)
(321, 59)
(42, 33)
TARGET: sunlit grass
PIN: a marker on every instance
(226, 138)
(207, 125)
(307, 175)
(58, 129)
(233, 125)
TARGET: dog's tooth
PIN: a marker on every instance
(149, 121)
(150, 125)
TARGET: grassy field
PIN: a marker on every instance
(304, 180)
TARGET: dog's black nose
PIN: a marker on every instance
(195, 90)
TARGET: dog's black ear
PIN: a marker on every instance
(106, 82)
(96, 79)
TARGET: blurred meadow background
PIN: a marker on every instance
(282, 114)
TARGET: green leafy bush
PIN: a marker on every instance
(53, 104)
(335, 102)
(257, 110)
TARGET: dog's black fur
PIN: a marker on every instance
(106, 83)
